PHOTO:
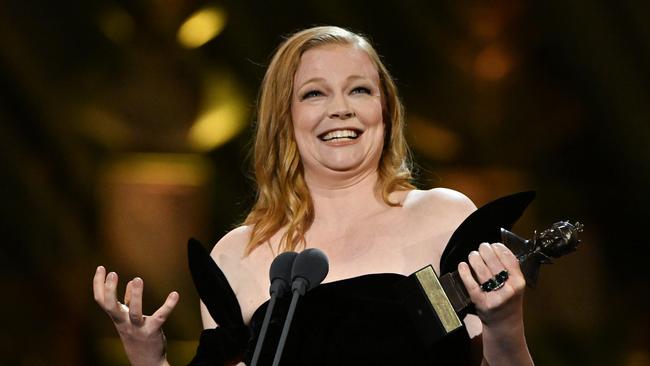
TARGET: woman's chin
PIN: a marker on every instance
(347, 169)
(344, 165)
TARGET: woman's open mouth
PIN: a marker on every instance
(338, 135)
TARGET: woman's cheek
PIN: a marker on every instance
(306, 118)
(369, 113)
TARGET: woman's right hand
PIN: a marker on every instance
(142, 336)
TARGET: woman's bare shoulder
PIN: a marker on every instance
(443, 200)
(232, 245)
(229, 255)
(430, 218)
(438, 210)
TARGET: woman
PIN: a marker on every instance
(332, 170)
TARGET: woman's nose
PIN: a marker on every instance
(342, 114)
(339, 108)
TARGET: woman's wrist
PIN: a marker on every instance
(162, 362)
(505, 344)
(144, 357)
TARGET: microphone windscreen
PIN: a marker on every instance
(312, 265)
(281, 267)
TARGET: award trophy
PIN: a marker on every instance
(437, 304)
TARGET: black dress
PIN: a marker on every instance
(357, 321)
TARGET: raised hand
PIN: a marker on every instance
(501, 297)
(498, 297)
(141, 335)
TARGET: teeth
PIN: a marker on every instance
(340, 134)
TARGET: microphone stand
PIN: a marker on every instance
(265, 327)
(280, 274)
(299, 287)
(309, 269)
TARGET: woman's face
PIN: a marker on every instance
(337, 111)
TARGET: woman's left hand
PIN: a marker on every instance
(505, 303)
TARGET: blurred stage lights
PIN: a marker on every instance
(117, 25)
(433, 140)
(223, 113)
(217, 126)
(492, 63)
(166, 169)
(201, 27)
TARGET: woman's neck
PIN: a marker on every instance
(345, 200)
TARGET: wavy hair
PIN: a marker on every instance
(283, 198)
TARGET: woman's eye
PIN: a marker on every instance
(362, 90)
(311, 94)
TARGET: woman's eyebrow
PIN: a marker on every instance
(320, 79)
(354, 77)
(311, 80)
(364, 78)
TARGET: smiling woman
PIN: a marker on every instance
(277, 155)
(332, 170)
(337, 113)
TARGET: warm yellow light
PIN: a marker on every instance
(160, 169)
(492, 63)
(201, 27)
(432, 139)
(117, 24)
(217, 126)
(223, 113)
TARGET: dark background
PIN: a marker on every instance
(97, 165)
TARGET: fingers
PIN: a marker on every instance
(496, 293)
(98, 285)
(110, 304)
(491, 259)
(135, 301)
(511, 264)
(105, 294)
(486, 263)
(470, 283)
(161, 315)
(127, 293)
(506, 257)
(483, 273)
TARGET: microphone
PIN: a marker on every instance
(309, 270)
(280, 275)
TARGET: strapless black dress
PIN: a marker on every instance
(357, 321)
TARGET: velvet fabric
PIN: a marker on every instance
(222, 346)
(357, 321)
(226, 344)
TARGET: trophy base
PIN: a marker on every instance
(429, 307)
